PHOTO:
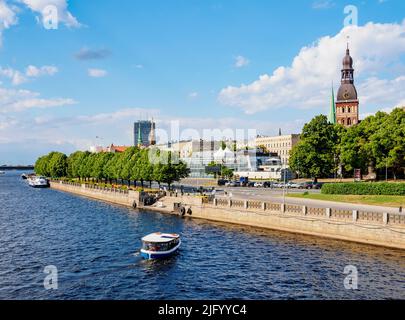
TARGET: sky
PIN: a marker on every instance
(207, 64)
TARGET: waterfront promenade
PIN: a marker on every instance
(382, 229)
(277, 197)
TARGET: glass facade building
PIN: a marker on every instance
(142, 130)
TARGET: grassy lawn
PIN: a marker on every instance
(385, 201)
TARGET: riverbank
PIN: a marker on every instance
(381, 229)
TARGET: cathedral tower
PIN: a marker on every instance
(347, 103)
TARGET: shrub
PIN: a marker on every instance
(366, 188)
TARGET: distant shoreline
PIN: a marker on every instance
(17, 168)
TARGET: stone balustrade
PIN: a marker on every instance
(324, 213)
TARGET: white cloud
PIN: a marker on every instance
(12, 100)
(383, 92)
(18, 77)
(62, 6)
(97, 73)
(306, 82)
(193, 95)
(15, 76)
(31, 136)
(123, 114)
(34, 72)
(8, 17)
(241, 61)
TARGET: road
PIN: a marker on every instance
(276, 196)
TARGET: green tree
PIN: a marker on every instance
(316, 155)
(85, 165)
(226, 172)
(57, 165)
(99, 168)
(387, 142)
(113, 167)
(376, 143)
(146, 167)
(212, 166)
(74, 163)
(170, 170)
(41, 166)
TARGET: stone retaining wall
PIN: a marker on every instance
(382, 229)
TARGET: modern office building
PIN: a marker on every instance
(144, 133)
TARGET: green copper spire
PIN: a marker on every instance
(139, 137)
(332, 114)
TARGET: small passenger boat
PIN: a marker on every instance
(38, 182)
(160, 245)
(2, 172)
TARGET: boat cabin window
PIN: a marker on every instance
(158, 247)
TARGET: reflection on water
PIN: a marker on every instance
(95, 247)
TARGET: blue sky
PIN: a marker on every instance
(209, 64)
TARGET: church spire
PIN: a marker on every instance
(139, 137)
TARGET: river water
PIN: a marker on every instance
(95, 245)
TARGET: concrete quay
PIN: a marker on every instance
(367, 227)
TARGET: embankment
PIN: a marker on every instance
(382, 229)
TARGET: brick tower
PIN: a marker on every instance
(347, 103)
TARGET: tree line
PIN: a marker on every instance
(220, 170)
(132, 165)
(376, 146)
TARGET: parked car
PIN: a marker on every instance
(317, 185)
(244, 181)
(279, 185)
(233, 184)
(251, 184)
(307, 185)
(222, 182)
(259, 185)
(268, 184)
(293, 185)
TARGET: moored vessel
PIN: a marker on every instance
(38, 182)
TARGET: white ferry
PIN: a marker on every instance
(38, 182)
(2, 172)
(160, 245)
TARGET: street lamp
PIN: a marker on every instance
(285, 178)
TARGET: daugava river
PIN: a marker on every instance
(95, 245)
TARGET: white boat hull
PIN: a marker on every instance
(38, 183)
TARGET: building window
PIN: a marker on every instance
(348, 110)
(343, 110)
(349, 122)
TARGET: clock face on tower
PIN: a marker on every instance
(346, 95)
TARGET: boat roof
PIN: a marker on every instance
(160, 237)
